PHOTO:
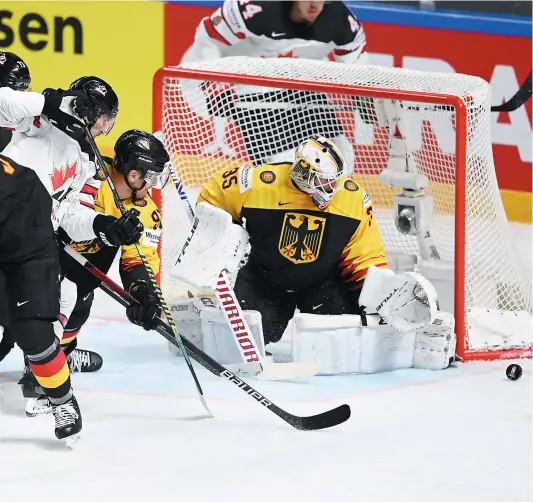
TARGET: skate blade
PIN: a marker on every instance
(71, 441)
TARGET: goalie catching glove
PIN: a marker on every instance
(124, 231)
(407, 301)
(147, 310)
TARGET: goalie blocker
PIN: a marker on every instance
(402, 327)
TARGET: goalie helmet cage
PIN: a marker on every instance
(233, 111)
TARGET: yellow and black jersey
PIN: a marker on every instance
(149, 217)
(102, 256)
(292, 241)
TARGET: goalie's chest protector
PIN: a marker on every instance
(296, 244)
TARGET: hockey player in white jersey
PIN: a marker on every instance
(48, 137)
(299, 29)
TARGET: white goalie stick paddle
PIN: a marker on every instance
(236, 321)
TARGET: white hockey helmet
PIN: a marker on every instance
(318, 169)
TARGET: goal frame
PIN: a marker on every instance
(461, 123)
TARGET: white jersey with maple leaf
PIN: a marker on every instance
(64, 169)
(265, 29)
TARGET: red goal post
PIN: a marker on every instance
(187, 101)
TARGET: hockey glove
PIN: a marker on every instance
(69, 124)
(125, 231)
(83, 107)
(147, 310)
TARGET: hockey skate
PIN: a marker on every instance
(84, 361)
(36, 401)
(68, 421)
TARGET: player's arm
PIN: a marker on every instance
(215, 242)
(74, 208)
(225, 28)
(350, 39)
(131, 267)
(407, 301)
(17, 107)
(364, 249)
(227, 190)
(74, 211)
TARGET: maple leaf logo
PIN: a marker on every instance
(60, 175)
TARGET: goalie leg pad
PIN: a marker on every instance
(435, 344)
(186, 315)
(341, 344)
(221, 343)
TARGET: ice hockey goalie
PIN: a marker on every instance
(315, 247)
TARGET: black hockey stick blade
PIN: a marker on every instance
(329, 418)
(521, 96)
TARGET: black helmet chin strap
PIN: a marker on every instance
(133, 190)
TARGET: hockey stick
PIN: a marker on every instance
(149, 271)
(324, 420)
(520, 97)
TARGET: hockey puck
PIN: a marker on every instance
(513, 371)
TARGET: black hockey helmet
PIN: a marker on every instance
(101, 94)
(142, 151)
(14, 72)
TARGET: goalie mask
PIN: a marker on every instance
(318, 169)
(14, 72)
(141, 151)
(102, 96)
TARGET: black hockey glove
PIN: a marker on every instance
(147, 310)
(81, 105)
(125, 231)
(6, 344)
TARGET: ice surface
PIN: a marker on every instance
(459, 435)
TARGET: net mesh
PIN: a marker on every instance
(212, 122)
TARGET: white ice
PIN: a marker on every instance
(459, 435)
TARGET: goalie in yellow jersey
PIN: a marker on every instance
(140, 163)
(315, 246)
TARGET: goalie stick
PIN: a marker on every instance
(158, 292)
(222, 283)
(229, 305)
(324, 420)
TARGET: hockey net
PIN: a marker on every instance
(233, 111)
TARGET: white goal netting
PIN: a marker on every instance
(227, 112)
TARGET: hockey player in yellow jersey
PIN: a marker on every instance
(140, 163)
(311, 231)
